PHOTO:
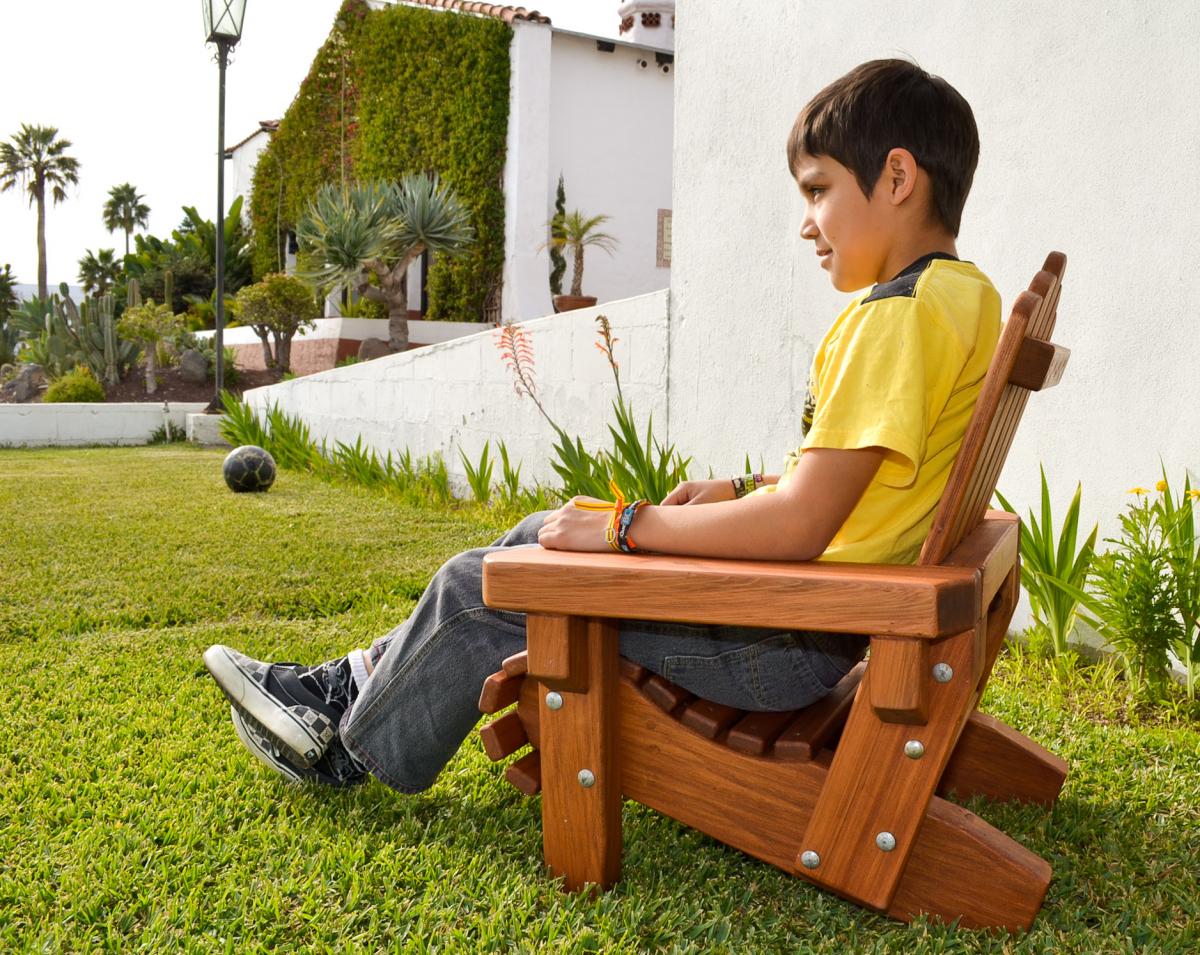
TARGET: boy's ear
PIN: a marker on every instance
(899, 177)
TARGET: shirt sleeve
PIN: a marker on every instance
(872, 385)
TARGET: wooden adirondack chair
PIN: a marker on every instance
(847, 793)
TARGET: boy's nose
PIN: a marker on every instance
(809, 230)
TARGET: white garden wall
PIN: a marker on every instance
(72, 423)
(1090, 144)
(459, 394)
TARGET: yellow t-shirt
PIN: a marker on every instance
(901, 369)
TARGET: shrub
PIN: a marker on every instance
(77, 385)
(1134, 595)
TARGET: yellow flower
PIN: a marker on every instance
(1161, 487)
(1194, 495)
(1138, 490)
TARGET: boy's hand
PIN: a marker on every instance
(573, 528)
(701, 492)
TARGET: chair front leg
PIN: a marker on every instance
(581, 783)
(884, 774)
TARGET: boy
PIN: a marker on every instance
(884, 159)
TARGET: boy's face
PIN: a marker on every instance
(851, 235)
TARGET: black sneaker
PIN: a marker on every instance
(336, 768)
(272, 701)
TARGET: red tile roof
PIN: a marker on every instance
(500, 12)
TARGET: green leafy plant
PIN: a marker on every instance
(76, 385)
(437, 476)
(1184, 558)
(1047, 561)
(291, 444)
(479, 476)
(1133, 602)
(149, 324)
(167, 433)
(277, 308)
(240, 425)
(510, 482)
(359, 463)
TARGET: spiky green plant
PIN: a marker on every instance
(479, 476)
(379, 228)
(1047, 561)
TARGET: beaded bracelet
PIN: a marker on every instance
(625, 543)
(745, 485)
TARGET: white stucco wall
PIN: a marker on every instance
(611, 138)
(64, 424)
(1090, 145)
(526, 289)
(458, 394)
(239, 169)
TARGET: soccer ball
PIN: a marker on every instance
(249, 468)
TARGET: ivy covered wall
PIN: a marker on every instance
(391, 91)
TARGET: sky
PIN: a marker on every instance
(133, 86)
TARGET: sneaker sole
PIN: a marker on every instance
(263, 711)
(264, 756)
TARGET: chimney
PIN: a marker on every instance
(648, 22)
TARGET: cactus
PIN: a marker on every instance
(169, 289)
(133, 293)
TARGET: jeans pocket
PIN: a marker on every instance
(741, 676)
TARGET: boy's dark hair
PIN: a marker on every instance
(889, 104)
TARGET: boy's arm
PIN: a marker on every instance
(797, 522)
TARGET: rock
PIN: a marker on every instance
(373, 348)
(193, 366)
(27, 383)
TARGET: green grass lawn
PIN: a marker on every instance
(131, 819)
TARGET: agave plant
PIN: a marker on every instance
(380, 228)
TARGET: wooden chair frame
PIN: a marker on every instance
(849, 792)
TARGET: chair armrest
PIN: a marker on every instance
(876, 599)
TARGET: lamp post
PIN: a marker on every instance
(223, 26)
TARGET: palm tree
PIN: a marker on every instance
(100, 272)
(37, 158)
(573, 231)
(125, 210)
(380, 228)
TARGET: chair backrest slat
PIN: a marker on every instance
(989, 434)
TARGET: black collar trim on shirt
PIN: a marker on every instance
(904, 285)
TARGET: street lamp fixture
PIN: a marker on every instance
(223, 21)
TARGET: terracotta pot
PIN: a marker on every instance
(567, 303)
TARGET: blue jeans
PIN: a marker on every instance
(422, 698)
